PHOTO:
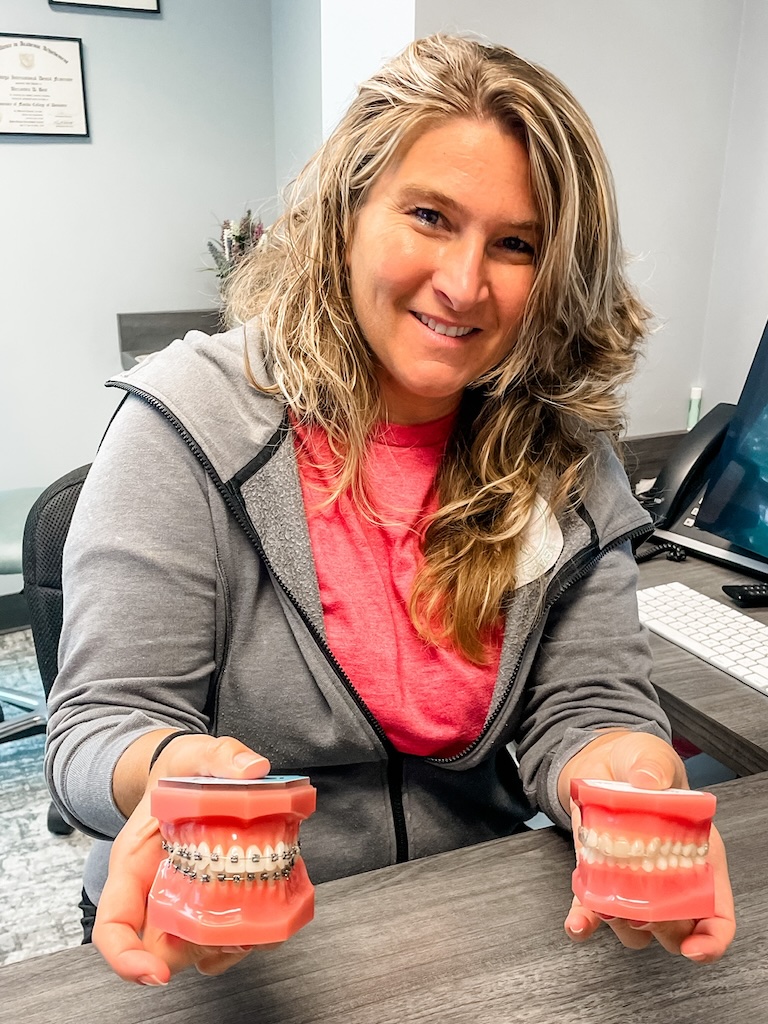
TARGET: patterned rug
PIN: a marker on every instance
(39, 872)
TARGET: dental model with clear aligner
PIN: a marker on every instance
(642, 854)
(233, 874)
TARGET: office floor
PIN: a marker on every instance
(39, 872)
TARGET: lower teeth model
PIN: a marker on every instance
(641, 854)
(233, 874)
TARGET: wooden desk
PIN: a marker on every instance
(722, 716)
(470, 936)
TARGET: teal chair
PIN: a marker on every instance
(14, 507)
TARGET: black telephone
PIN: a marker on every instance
(681, 483)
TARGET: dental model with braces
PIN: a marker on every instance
(641, 854)
(233, 874)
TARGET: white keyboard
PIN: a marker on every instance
(723, 636)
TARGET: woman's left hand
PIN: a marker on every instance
(648, 762)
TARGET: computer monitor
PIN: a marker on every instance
(711, 498)
(735, 505)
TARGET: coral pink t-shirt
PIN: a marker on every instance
(429, 700)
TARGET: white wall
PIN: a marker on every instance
(356, 38)
(297, 85)
(738, 297)
(180, 111)
(182, 135)
(657, 79)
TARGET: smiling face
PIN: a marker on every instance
(441, 264)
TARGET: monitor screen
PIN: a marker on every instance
(735, 505)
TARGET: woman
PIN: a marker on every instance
(378, 533)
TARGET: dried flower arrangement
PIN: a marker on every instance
(238, 238)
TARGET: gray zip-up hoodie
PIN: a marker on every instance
(191, 601)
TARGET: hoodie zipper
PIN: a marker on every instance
(233, 502)
(555, 592)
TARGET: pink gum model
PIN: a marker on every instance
(234, 874)
(641, 854)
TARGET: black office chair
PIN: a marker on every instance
(44, 535)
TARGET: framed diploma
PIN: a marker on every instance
(152, 6)
(42, 91)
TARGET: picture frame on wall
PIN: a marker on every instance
(42, 86)
(145, 6)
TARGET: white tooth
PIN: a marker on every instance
(203, 865)
(673, 860)
(218, 865)
(590, 855)
(605, 844)
(677, 847)
(431, 324)
(582, 835)
(621, 848)
(666, 848)
(702, 850)
(441, 329)
(452, 332)
(638, 848)
(647, 865)
(634, 864)
(689, 850)
(661, 864)
(464, 330)
(592, 838)
(424, 319)
(698, 861)
(235, 860)
(190, 861)
(686, 862)
(653, 846)
(253, 860)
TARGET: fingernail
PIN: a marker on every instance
(697, 957)
(605, 917)
(637, 924)
(150, 979)
(575, 925)
(651, 774)
(245, 760)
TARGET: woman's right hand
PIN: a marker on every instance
(134, 951)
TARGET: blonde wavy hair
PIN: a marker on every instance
(529, 424)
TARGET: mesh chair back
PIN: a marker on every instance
(44, 535)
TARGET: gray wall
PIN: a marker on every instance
(180, 110)
(657, 78)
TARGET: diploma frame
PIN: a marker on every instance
(26, 94)
(144, 6)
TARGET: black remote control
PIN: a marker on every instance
(748, 595)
